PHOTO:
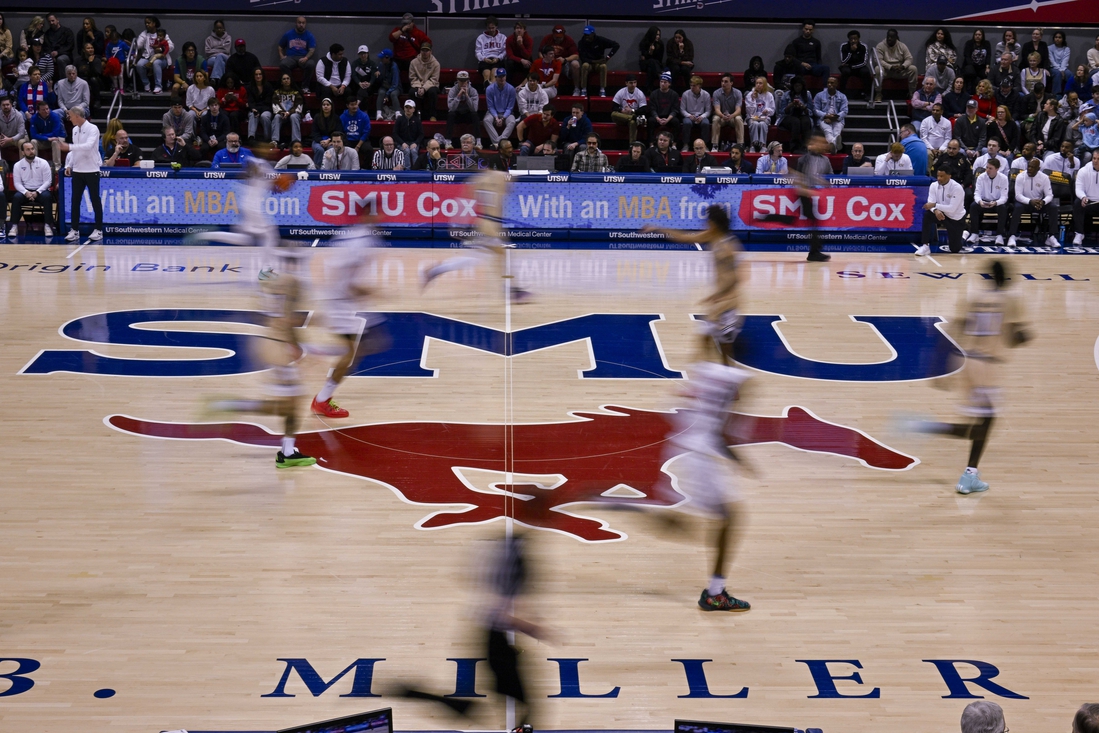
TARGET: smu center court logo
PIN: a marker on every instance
(550, 470)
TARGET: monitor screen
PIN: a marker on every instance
(697, 726)
(380, 721)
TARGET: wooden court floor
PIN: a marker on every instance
(183, 574)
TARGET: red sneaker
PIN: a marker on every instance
(328, 409)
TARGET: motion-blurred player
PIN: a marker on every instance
(990, 322)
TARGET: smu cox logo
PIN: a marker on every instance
(459, 468)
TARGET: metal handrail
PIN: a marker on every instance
(875, 71)
(111, 113)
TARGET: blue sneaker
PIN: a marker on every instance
(970, 483)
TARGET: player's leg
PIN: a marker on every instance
(323, 403)
(716, 597)
(290, 455)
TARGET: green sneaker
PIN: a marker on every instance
(297, 459)
(970, 483)
(722, 602)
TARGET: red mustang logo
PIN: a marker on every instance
(553, 465)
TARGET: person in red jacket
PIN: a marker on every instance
(234, 101)
(520, 51)
(407, 39)
(564, 48)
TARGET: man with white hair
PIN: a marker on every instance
(72, 91)
(83, 165)
(983, 716)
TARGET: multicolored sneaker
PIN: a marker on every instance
(970, 483)
(721, 602)
(295, 459)
(328, 409)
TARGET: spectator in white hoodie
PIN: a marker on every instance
(491, 50)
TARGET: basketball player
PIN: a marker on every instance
(990, 321)
(490, 188)
(255, 228)
(344, 293)
(723, 320)
(281, 351)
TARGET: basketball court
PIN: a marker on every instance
(155, 580)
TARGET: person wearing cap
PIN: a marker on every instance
(854, 62)
(389, 83)
(242, 63)
(595, 52)
(942, 74)
(462, 102)
(564, 50)
(365, 77)
(548, 70)
(519, 51)
(807, 50)
(630, 106)
(407, 40)
(1008, 96)
(296, 50)
(924, 98)
(530, 97)
(408, 132)
(334, 73)
(423, 78)
(500, 108)
(895, 62)
(664, 107)
(491, 50)
(681, 58)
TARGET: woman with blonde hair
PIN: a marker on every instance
(1034, 73)
(986, 99)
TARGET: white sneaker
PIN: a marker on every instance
(157, 90)
(14, 231)
(602, 91)
(922, 250)
(379, 115)
(999, 240)
(48, 228)
(1078, 239)
(974, 238)
(72, 236)
(95, 236)
(1010, 241)
(1052, 242)
(477, 142)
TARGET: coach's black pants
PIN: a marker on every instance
(1051, 210)
(80, 182)
(977, 212)
(954, 228)
(1080, 213)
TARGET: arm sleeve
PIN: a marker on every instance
(1002, 198)
(17, 179)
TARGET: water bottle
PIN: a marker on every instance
(1062, 237)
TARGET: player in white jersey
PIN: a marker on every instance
(343, 296)
(989, 323)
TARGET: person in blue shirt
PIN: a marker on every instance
(500, 117)
(45, 125)
(389, 82)
(356, 131)
(296, 50)
(915, 148)
(232, 153)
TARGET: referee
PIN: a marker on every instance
(83, 165)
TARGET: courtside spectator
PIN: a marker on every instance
(181, 120)
(854, 62)
(699, 160)
(365, 77)
(59, 42)
(755, 69)
(337, 157)
(389, 157)
(591, 159)
(505, 158)
(936, 131)
(520, 51)
(807, 51)
(183, 73)
(462, 103)
(199, 95)
(151, 64)
(680, 53)
(895, 62)
(45, 125)
(955, 99)
(333, 73)
(232, 154)
(830, 106)
(664, 106)
(566, 51)
(297, 47)
(296, 160)
(499, 118)
(634, 161)
(728, 111)
(355, 126)
(469, 159)
(786, 68)
(982, 716)
(325, 123)
(423, 77)
(794, 113)
(924, 98)
(696, 107)
(595, 52)
(171, 150)
(759, 106)
(652, 58)
(243, 62)
(956, 163)
(548, 70)
(538, 134)
(31, 177)
(389, 84)
(530, 98)
(574, 133)
(217, 47)
(942, 74)
(72, 91)
(772, 164)
(976, 59)
(914, 148)
(260, 95)
(737, 163)
(662, 157)
(629, 106)
(233, 100)
(893, 161)
(213, 127)
(408, 133)
(13, 126)
(1086, 719)
(122, 149)
(407, 40)
(490, 48)
(857, 158)
(431, 159)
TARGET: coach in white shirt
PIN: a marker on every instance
(1086, 203)
(1034, 195)
(83, 165)
(989, 194)
(936, 131)
(945, 205)
(32, 178)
